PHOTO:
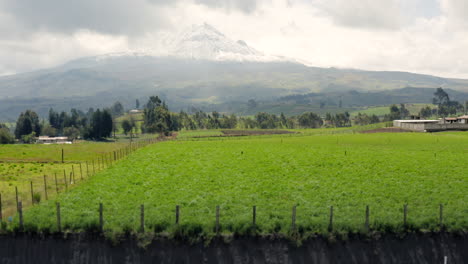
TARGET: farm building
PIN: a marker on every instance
(52, 140)
(443, 124)
(135, 111)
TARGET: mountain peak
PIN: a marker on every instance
(206, 42)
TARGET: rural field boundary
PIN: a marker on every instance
(52, 185)
(20, 224)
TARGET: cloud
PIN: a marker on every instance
(46, 49)
(362, 34)
(456, 11)
(107, 16)
(374, 14)
(247, 6)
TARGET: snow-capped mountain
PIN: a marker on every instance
(199, 42)
(206, 42)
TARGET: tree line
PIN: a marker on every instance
(99, 124)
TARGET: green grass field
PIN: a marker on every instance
(22, 165)
(274, 173)
(383, 110)
(53, 153)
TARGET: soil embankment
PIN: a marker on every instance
(413, 248)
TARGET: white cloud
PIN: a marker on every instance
(373, 14)
(374, 35)
(457, 12)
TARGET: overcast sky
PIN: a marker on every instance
(424, 36)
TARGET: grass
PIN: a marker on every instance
(53, 153)
(313, 172)
(383, 110)
(22, 165)
(19, 176)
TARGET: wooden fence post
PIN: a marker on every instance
(32, 193)
(94, 171)
(1, 207)
(293, 219)
(81, 172)
(20, 212)
(177, 215)
(330, 224)
(73, 174)
(441, 216)
(65, 180)
(405, 212)
(59, 221)
(56, 183)
(45, 187)
(367, 218)
(115, 156)
(62, 157)
(217, 219)
(17, 200)
(87, 170)
(101, 217)
(142, 218)
(254, 216)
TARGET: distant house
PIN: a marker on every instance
(135, 111)
(52, 140)
(463, 119)
(443, 124)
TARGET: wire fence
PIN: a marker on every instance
(49, 186)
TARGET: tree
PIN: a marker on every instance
(156, 117)
(117, 109)
(310, 120)
(54, 119)
(440, 97)
(137, 104)
(127, 126)
(27, 123)
(265, 120)
(48, 130)
(425, 112)
(71, 132)
(394, 113)
(404, 113)
(100, 126)
(5, 136)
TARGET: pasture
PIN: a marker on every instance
(36, 172)
(274, 173)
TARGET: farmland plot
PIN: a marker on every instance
(275, 173)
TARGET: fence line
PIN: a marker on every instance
(41, 189)
(217, 227)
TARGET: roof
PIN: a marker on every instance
(52, 138)
(463, 117)
(451, 118)
(417, 121)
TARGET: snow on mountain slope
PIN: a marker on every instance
(206, 42)
(201, 42)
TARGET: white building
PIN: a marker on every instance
(443, 124)
(52, 140)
